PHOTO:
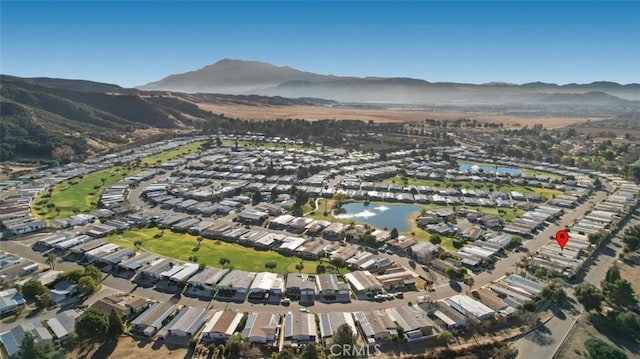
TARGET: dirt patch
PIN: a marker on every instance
(127, 347)
(312, 113)
(11, 170)
(630, 273)
(584, 329)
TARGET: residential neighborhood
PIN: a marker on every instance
(449, 266)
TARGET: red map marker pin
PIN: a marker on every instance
(562, 237)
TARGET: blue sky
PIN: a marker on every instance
(132, 43)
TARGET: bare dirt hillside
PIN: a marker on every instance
(380, 114)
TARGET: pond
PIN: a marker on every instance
(464, 166)
(380, 216)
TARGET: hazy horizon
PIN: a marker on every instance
(134, 43)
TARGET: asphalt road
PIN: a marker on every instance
(545, 341)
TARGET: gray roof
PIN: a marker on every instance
(189, 320)
(208, 276)
(299, 280)
(155, 315)
(237, 279)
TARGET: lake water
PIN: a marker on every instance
(380, 216)
(464, 166)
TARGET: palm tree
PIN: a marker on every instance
(470, 283)
(51, 260)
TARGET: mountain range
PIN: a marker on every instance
(258, 78)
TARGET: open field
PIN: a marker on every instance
(83, 194)
(381, 115)
(181, 246)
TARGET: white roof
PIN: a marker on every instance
(470, 305)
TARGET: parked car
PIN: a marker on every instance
(285, 301)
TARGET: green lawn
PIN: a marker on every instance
(510, 213)
(180, 246)
(79, 194)
(83, 194)
(173, 154)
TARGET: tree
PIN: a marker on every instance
(620, 293)
(613, 274)
(232, 347)
(554, 293)
(224, 262)
(595, 238)
(271, 265)
(299, 267)
(631, 239)
(116, 327)
(30, 349)
(400, 331)
(93, 272)
(470, 282)
(627, 321)
(338, 262)
(394, 233)
(599, 349)
(451, 272)
(516, 241)
(435, 239)
(86, 285)
(444, 337)
(286, 354)
(32, 289)
(589, 296)
(43, 300)
(342, 337)
(309, 352)
(542, 273)
(92, 325)
(51, 260)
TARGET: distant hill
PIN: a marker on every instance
(74, 85)
(258, 78)
(39, 115)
